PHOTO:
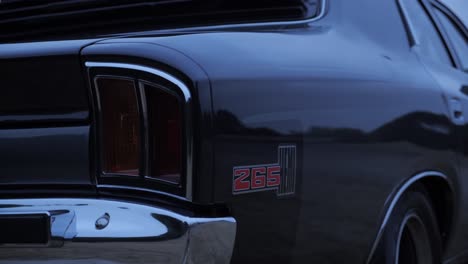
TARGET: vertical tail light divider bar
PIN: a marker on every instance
(141, 88)
(187, 131)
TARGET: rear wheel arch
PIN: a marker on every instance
(440, 191)
(442, 198)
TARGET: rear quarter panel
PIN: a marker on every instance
(363, 113)
(363, 119)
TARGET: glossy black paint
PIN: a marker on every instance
(55, 155)
(44, 116)
(42, 83)
(365, 109)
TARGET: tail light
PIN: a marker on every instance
(120, 126)
(165, 134)
(140, 132)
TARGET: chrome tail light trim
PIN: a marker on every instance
(188, 101)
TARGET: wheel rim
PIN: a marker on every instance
(413, 244)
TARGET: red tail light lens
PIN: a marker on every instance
(120, 126)
(141, 133)
(165, 134)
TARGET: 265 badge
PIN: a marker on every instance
(279, 176)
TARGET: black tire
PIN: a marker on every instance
(411, 235)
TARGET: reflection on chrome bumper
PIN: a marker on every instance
(115, 232)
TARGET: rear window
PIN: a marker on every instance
(24, 18)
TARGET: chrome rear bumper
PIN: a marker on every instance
(115, 232)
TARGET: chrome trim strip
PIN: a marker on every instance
(188, 99)
(287, 153)
(108, 231)
(394, 200)
(185, 90)
(322, 12)
(130, 188)
(414, 40)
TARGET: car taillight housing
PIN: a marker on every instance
(140, 128)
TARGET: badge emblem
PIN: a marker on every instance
(280, 176)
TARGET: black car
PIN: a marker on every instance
(183, 131)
